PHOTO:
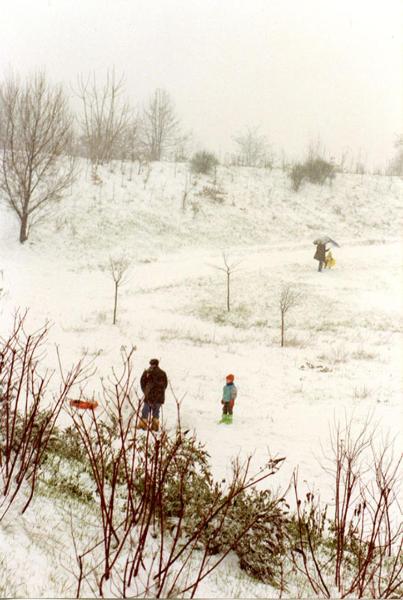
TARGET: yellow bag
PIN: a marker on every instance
(330, 261)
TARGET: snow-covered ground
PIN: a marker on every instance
(344, 351)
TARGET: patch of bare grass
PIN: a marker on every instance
(333, 326)
(360, 393)
(336, 355)
(363, 354)
(197, 339)
(293, 341)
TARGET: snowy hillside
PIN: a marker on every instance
(343, 352)
(145, 213)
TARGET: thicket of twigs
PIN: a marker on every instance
(353, 548)
(27, 421)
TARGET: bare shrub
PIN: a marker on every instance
(357, 549)
(27, 416)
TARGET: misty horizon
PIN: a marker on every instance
(300, 75)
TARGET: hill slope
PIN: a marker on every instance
(343, 352)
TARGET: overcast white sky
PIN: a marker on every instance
(298, 69)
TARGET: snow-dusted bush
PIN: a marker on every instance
(191, 458)
(203, 162)
(66, 469)
(319, 171)
(314, 170)
(255, 527)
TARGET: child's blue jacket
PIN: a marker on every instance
(229, 392)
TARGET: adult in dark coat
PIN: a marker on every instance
(320, 255)
(153, 382)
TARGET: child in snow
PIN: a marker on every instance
(229, 394)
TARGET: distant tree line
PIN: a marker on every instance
(40, 137)
(109, 128)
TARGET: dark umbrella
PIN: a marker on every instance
(325, 239)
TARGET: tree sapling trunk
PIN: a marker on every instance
(288, 299)
(117, 268)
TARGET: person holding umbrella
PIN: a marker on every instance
(320, 254)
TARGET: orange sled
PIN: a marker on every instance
(83, 404)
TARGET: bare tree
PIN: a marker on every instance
(160, 126)
(252, 148)
(229, 269)
(105, 118)
(288, 299)
(35, 138)
(117, 268)
(129, 145)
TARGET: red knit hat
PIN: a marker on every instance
(230, 377)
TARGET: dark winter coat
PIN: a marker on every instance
(320, 253)
(154, 382)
